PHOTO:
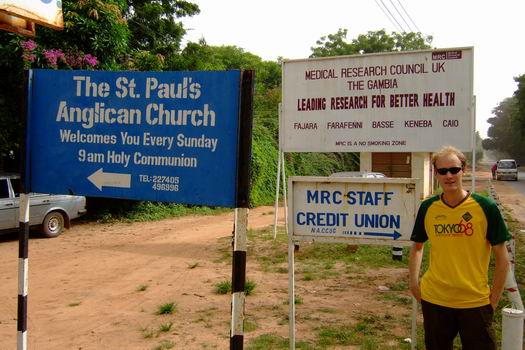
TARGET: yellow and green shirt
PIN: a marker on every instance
(460, 244)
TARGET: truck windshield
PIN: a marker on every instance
(507, 165)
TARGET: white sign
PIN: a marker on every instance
(390, 102)
(44, 12)
(369, 211)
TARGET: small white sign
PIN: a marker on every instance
(369, 211)
(45, 12)
(389, 102)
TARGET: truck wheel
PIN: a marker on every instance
(53, 224)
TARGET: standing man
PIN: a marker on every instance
(463, 228)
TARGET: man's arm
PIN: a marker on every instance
(414, 266)
(500, 273)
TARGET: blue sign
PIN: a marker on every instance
(160, 136)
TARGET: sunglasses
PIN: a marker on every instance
(454, 170)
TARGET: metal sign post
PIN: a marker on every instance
(241, 213)
(379, 211)
(23, 230)
(181, 137)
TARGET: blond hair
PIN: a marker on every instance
(449, 150)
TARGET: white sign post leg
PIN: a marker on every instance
(474, 144)
(277, 195)
(23, 270)
(291, 293)
(284, 192)
(414, 324)
(239, 278)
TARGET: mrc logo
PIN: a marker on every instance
(464, 227)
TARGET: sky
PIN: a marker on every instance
(289, 28)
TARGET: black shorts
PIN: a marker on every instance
(474, 326)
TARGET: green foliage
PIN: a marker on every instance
(330, 336)
(166, 309)
(519, 94)
(505, 135)
(113, 210)
(264, 166)
(165, 327)
(272, 341)
(223, 287)
(165, 345)
(153, 24)
(90, 26)
(373, 41)
(148, 332)
(249, 326)
(249, 287)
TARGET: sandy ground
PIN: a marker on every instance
(84, 286)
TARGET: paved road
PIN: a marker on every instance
(520, 184)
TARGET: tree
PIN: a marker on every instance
(373, 41)
(519, 94)
(91, 27)
(153, 24)
(504, 134)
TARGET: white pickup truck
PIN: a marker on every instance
(507, 169)
(50, 212)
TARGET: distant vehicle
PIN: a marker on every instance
(365, 174)
(51, 212)
(507, 169)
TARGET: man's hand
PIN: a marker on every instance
(416, 292)
(500, 273)
(494, 301)
(414, 265)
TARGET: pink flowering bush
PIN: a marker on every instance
(53, 56)
(34, 57)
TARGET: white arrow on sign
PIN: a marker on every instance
(99, 178)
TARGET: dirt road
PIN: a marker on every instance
(98, 286)
(83, 285)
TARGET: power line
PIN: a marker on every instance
(390, 18)
(400, 15)
(415, 25)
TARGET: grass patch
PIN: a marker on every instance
(249, 287)
(396, 298)
(148, 332)
(109, 210)
(165, 327)
(308, 277)
(249, 326)
(205, 316)
(338, 335)
(297, 301)
(275, 342)
(271, 253)
(367, 256)
(193, 265)
(166, 309)
(225, 287)
(519, 272)
(142, 288)
(164, 345)
(328, 310)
